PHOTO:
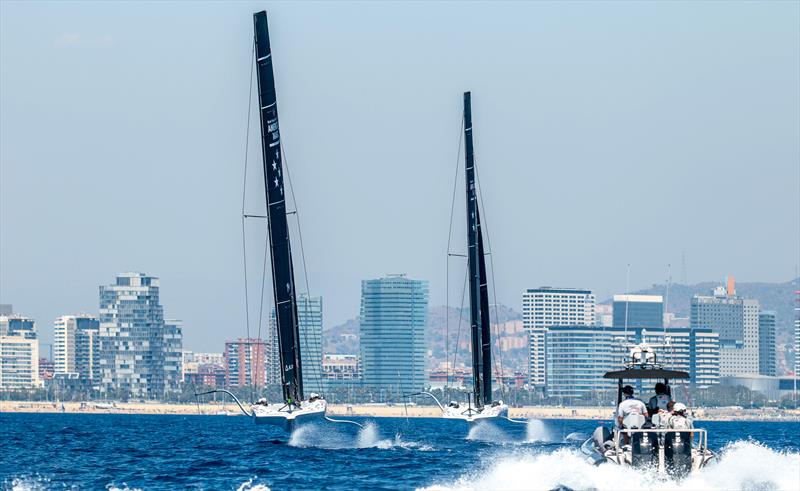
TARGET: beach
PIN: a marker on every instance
(378, 410)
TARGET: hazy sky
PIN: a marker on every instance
(605, 134)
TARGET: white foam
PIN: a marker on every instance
(537, 431)
(487, 432)
(248, 486)
(741, 466)
(367, 437)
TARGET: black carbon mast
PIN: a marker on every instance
(478, 287)
(283, 284)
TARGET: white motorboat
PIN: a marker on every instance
(648, 443)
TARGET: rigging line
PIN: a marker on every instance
(499, 358)
(296, 212)
(447, 260)
(460, 315)
(260, 314)
(244, 190)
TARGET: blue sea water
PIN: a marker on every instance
(115, 451)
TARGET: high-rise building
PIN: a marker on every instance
(394, 312)
(639, 311)
(736, 321)
(245, 363)
(6, 309)
(136, 347)
(578, 356)
(19, 363)
(309, 314)
(19, 352)
(797, 334)
(76, 346)
(546, 306)
(172, 356)
(18, 326)
(766, 343)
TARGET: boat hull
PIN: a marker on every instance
(471, 416)
(281, 416)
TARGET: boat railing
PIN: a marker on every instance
(698, 434)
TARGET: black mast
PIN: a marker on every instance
(478, 290)
(280, 248)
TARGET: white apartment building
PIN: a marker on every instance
(546, 307)
(19, 363)
(76, 345)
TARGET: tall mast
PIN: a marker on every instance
(478, 290)
(283, 284)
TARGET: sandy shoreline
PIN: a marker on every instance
(378, 411)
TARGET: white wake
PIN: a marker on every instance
(741, 465)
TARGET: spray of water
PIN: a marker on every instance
(249, 486)
(741, 466)
(537, 431)
(329, 438)
(487, 432)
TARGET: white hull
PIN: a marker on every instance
(282, 416)
(473, 416)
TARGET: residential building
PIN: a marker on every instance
(546, 306)
(76, 346)
(797, 335)
(766, 343)
(736, 321)
(191, 363)
(172, 358)
(639, 311)
(19, 352)
(19, 363)
(138, 350)
(578, 356)
(341, 367)
(18, 326)
(394, 313)
(245, 363)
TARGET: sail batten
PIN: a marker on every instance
(283, 284)
(478, 290)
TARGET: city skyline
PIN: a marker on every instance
(651, 163)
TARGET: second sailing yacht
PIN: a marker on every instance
(482, 407)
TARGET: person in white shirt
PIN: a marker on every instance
(630, 405)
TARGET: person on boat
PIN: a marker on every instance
(679, 420)
(630, 405)
(262, 401)
(658, 403)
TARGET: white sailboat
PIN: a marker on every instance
(480, 407)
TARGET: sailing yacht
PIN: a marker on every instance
(481, 408)
(296, 408)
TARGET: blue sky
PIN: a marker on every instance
(605, 134)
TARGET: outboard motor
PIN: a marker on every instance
(595, 446)
(678, 453)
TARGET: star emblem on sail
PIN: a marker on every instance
(276, 182)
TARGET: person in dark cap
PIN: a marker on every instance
(658, 402)
(629, 405)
